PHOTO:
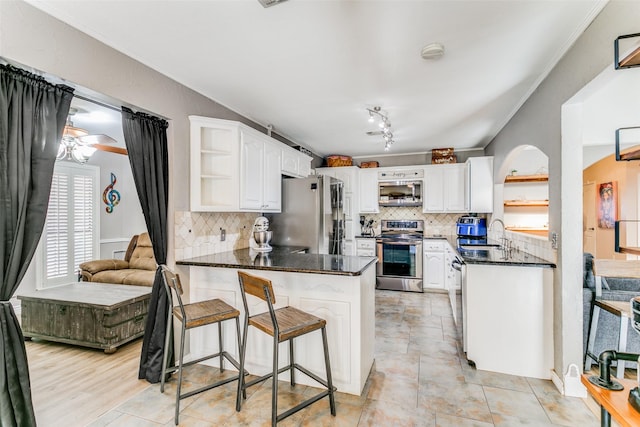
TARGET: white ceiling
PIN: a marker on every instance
(312, 67)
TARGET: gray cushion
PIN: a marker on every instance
(588, 279)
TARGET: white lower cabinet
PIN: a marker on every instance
(433, 264)
(365, 246)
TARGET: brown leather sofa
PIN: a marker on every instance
(137, 268)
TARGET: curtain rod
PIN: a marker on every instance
(93, 101)
(57, 80)
(118, 109)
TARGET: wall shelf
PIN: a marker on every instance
(632, 59)
(526, 178)
(536, 231)
(525, 203)
(633, 153)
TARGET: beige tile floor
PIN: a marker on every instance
(420, 378)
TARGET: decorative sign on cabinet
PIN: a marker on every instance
(235, 168)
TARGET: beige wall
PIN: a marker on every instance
(42, 43)
(626, 176)
(538, 123)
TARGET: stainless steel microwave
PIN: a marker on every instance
(400, 193)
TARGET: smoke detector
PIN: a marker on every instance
(432, 51)
(269, 3)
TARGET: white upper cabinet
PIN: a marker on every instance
(455, 188)
(445, 188)
(368, 197)
(215, 169)
(480, 184)
(295, 163)
(260, 170)
(233, 168)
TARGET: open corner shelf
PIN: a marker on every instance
(526, 178)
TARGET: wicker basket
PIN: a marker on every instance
(442, 152)
(444, 160)
(333, 161)
(372, 164)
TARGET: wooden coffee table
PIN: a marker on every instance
(97, 315)
(614, 404)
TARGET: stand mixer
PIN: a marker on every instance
(260, 235)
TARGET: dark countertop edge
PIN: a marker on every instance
(452, 240)
(286, 269)
(541, 264)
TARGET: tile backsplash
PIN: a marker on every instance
(198, 233)
(446, 224)
(433, 223)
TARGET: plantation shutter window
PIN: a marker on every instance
(71, 231)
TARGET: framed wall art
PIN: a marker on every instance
(607, 204)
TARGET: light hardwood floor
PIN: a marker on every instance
(72, 386)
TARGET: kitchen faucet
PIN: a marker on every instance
(504, 230)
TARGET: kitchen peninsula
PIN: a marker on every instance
(337, 288)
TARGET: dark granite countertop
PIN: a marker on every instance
(494, 255)
(285, 258)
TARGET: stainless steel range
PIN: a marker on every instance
(399, 250)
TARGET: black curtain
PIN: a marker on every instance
(32, 117)
(146, 139)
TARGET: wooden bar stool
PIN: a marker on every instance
(283, 324)
(192, 316)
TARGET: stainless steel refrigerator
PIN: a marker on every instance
(312, 215)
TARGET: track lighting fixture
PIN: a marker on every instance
(384, 125)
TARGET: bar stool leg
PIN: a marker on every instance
(165, 352)
(274, 385)
(240, 353)
(292, 371)
(220, 346)
(332, 402)
(241, 387)
(180, 369)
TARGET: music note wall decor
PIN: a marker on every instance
(111, 197)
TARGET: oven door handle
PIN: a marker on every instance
(393, 242)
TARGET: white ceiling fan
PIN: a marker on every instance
(78, 145)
